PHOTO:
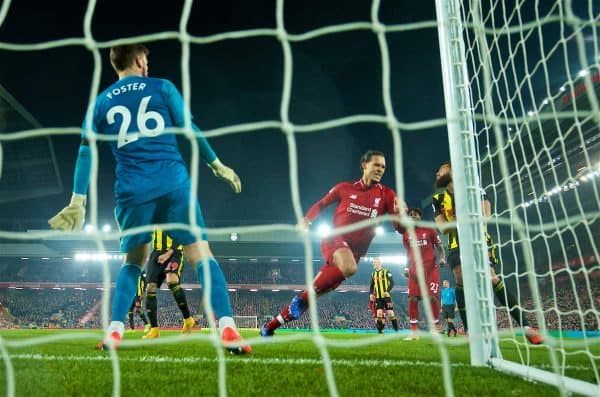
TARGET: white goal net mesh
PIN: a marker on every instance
(534, 79)
(544, 172)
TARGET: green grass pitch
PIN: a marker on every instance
(65, 363)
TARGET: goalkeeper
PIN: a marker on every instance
(136, 113)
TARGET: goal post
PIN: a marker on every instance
(463, 156)
(521, 85)
(246, 321)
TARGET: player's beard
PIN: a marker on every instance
(443, 181)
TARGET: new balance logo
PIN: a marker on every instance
(353, 196)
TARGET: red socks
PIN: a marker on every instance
(328, 279)
(413, 310)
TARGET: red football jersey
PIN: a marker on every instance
(356, 202)
(427, 238)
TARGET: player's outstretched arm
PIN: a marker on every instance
(178, 111)
(72, 216)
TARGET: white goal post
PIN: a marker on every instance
(516, 131)
(246, 321)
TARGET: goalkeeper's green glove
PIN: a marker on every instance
(224, 172)
(72, 216)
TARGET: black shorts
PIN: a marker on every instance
(158, 272)
(454, 258)
(384, 303)
(448, 311)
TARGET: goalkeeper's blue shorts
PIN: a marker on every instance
(173, 207)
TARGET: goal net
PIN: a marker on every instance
(250, 322)
(522, 83)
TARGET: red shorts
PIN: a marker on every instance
(432, 281)
(330, 245)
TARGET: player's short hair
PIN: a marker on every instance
(415, 209)
(123, 56)
(445, 163)
(368, 155)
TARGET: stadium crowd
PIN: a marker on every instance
(236, 272)
(76, 308)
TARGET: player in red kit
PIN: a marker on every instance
(427, 239)
(356, 201)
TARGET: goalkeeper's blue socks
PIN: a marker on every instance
(125, 291)
(219, 296)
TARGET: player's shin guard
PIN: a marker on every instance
(152, 309)
(125, 290)
(506, 298)
(460, 302)
(180, 298)
(219, 296)
(380, 325)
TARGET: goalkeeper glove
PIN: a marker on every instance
(224, 172)
(72, 216)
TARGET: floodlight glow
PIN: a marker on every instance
(379, 230)
(106, 228)
(95, 256)
(234, 236)
(583, 73)
(394, 259)
(88, 228)
(324, 230)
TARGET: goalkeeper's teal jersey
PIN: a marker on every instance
(136, 111)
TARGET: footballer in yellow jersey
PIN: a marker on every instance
(444, 212)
